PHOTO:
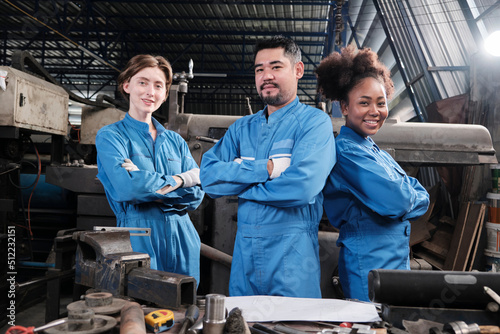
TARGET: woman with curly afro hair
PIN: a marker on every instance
(368, 196)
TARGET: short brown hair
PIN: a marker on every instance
(140, 62)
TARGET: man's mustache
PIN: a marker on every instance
(269, 83)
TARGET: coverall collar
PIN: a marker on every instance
(280, 113)
(353, 135)
(143, 126)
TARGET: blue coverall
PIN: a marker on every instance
(174, 245)
(370, 199)
(276, 247)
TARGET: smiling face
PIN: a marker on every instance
(147, 90)
(276, 78)
(367, 108)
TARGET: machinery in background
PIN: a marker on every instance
(29, 106)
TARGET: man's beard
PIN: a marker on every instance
(273, 100)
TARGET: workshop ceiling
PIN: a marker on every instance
(84, 44)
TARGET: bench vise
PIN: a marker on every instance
(105, 260)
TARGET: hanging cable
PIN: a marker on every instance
(34, 187)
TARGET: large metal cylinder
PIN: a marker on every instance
(432, 288)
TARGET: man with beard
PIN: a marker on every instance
(276, 161)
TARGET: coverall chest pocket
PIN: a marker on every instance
(247, 151)
(281, 149)
(142, 161)
(172, 165)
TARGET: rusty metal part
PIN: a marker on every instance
(100, 303)
(168, 290)
(215, 314)
(103, 260)
(216, 255)
(83, 321)
(132, 319)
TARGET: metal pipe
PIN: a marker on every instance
(288, 330)
(45, 279)
(216, 255)
(132, 319)
(50, 325)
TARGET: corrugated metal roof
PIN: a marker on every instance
(84, 43)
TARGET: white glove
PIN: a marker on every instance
(129, 165)
(191, 178)
(238, 160)
(280, 165)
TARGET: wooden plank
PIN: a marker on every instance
(476, 214)
(435, 249)
(448, 220)
(451, 258)
(476, 241)
(419, 232)
(433, 260)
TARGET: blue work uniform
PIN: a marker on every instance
(276, 249)
(370, 199)
(174, 245)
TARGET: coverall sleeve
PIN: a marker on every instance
(221, 176)
(190, 197)
(123, 186)
(384, 188)
(313, 157)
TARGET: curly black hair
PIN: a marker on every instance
(340, 72)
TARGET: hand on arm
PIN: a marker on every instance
(129, 166)
(187, 179)
(277, 166)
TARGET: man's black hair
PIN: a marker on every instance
(291, 48)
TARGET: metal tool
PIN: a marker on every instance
(50, 325)
(460, 327)
(456, 327)
(263, 328)
(197, 328)
(215, 314)
(105, 260)
(288, 330)
(354, 329)
(100, 303)
(254, 330)
(83, 321)
(192, 314)
(160, 320)
(492, 294)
